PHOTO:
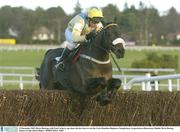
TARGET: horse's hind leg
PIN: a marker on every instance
(48, 79)
(48, 85)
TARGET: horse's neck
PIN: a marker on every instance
(95, 50)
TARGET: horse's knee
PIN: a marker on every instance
(99, 81)
(114, 83)
(102, 81)
(117, 83)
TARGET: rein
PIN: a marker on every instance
(109, 25)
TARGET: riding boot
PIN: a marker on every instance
(64, 55)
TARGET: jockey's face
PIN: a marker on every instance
(93, 24)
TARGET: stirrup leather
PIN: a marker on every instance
(60, 66)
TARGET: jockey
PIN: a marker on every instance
(81, 28)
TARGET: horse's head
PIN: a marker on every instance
(112, 41)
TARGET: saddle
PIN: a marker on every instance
(72, 58)
(74, 55)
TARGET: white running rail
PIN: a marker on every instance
(146, 82)
(146, 70)
(18, 68)
(127, 81)
(14, 78)
(20, 79)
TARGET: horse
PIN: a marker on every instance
(88, 70)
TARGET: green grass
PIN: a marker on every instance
(16, 87)
(132, 56)
(31, 58)
(34, 58)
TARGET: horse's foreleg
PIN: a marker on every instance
(112, 87)
(113, 83)
(103, 98)
(96, 85)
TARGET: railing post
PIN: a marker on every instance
(156, 86)
(124, 87)
(1, 80)
(148, 83)
(170, 85)
(21, 83)
(125, 81)
(178, 85)
(143, 84)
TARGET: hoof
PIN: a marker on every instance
(103, 100)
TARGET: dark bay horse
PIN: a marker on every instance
(91, 74)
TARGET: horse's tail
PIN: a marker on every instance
(37, 75)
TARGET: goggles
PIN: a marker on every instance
(95, 20)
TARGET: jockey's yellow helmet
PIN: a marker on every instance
(94, 12)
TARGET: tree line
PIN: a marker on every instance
(145, 26)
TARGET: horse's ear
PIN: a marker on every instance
(104, 23)
(115, 19)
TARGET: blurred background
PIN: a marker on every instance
(141, 22)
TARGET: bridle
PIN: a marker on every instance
(100, 47)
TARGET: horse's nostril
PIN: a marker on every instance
(120, 51)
